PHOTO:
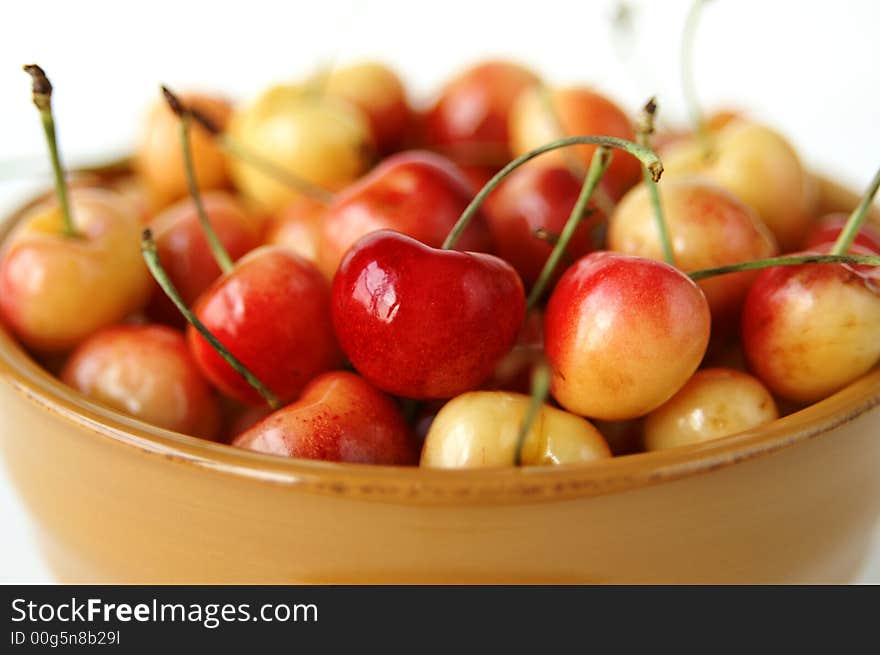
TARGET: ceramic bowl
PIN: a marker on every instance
(117, 501)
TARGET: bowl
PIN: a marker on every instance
(117, 501)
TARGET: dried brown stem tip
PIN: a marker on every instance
(204, 121)
(41, 87)
(645, 126)
(174, 102)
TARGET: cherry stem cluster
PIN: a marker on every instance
(540, 391)
(645, 155)
(151, 257)
(599, 164)
(42, 96)
(689, 86)
(643, 138)
(221, 255)
(857, 218)
(263, 164)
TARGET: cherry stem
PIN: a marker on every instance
(786, 260)
(856, 219)
(221, 256)
(645, 155)
(643, 138)
(151, 257)
(263, 164)
(540, 391)
(689, 86)
(42, 96)
(598, 166)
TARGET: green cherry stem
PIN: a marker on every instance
(263, 164)
(689, 86)
(540, 391)
(856, 219)
(221, 256)
(643, 138)
(42, 96)
(786, 260)
(151, 257)
(645, 155)
(598, 166)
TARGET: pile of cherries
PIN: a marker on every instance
(329, 272)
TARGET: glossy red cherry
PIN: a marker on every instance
(272, 312)
(623, 334)
(535, 198)
(339, 418)
(416, 193)
(828, 229)
(424, 323)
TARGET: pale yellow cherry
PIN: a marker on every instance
(377, 91)
(761, 168)
(479, 429)
(715, 403)
(708, 227)
(56, 290)
(315, 137)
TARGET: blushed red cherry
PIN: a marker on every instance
(339, 418)
(184, 251)
(272, 312)
(810, 330)
(145, 371)
(297, 227)
(420, 322)
(622, 334)
(534, 198)
(416, 193)
(470, 119)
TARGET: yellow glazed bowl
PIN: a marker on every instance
(117, 501)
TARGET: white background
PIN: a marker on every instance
(807, 67)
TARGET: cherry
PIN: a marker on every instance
(535, 200)
(416, 193)
(810, 330)
(378, 92)
(623, 334)
(339, 418)
(147, 372)
(481, 429)
(420, 322)
(541, 115)
(828, 230)
(470, 118)
(185, 252)
(714, 403)
(159, 162)
(317, 141)
(70, 266)
(272, 312)
(708, 227)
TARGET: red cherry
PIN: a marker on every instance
(416, 193)
(535, 198)
(472, 114)
(184, 251)
(272, 311)
(829, 228)
(339, 418)
(420, 322)
(623, 334)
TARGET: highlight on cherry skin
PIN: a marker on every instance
(714, 403)
(340, 418)
(480, 429)
(147, 372)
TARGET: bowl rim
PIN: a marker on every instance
(415, 485)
